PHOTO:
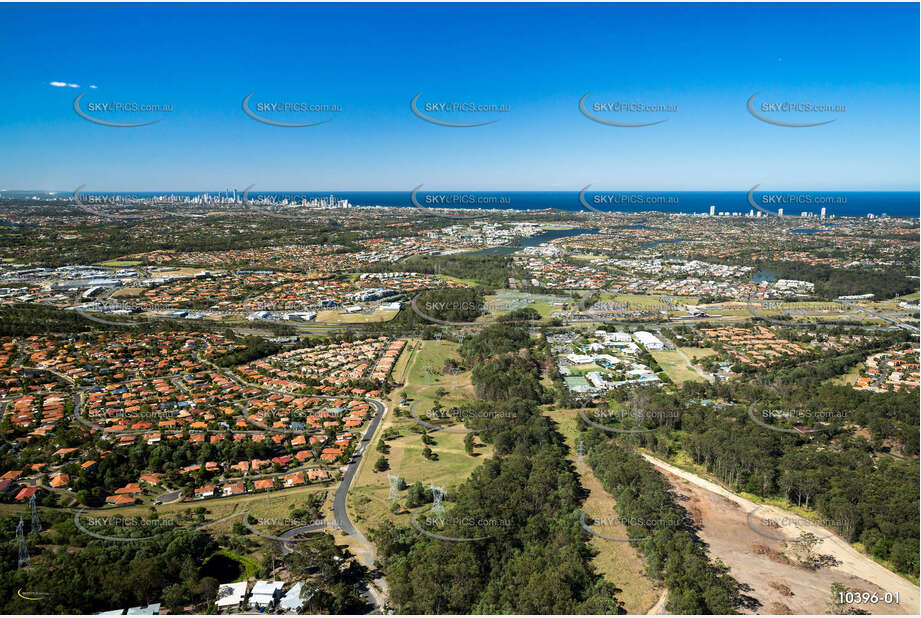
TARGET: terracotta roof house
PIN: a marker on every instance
(205, 491)
(26, 493)
(294, 480)
(235, 489)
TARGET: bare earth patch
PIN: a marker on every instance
(768, 567)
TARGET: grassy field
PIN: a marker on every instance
(578, 370)
(695, 354)
(849, 378)
(128, 292)
(335, 316)
(368, 501)
(675, 367)
(219, 516)
(618, 562)
(401, 368)
(471, 282)
(587, 256)
(648, 301)
(544, 305)
(119, 263)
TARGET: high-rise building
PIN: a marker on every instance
(822, 214)
(712, 210)
(780, 212)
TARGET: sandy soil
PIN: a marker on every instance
(765, 566)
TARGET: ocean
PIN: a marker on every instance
(839, 203)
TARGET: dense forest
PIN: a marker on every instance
(332, 573)
(830, 283)
(865, 495)
(104, 574)
(489, 270)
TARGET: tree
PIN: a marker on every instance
(381, 464)
(415, 496)
(175, 598)
(837, 605)
(804, 548)
(468, 443)
(332, 571)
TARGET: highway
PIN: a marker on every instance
(908, 327)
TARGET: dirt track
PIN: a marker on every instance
(776, 583)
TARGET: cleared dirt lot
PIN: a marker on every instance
(765, 566)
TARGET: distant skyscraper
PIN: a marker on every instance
(712, 210)
(780, 212)
(823, 212)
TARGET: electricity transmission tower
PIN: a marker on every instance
(21, 540)
(438, 494)
(394, 486)
(36, 522)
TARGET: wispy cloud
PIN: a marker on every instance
(66, 85)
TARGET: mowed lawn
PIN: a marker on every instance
(343, 317)
(119, 263)
(541, 303)
(619, 562)
(675, 366)
(695, 354)
(368, 501)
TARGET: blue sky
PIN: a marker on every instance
(539, 60)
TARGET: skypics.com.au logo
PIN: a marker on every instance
(456, 415)
(454, 111)
(282, 112)
(439, 525)
(768, 111)
(635, 418)
(771, 527)
(781, 200)
(605, 112)
(116, 113)
(116, 528)
(613, 200)
(294, 527)
(612, 528)
(802, 420)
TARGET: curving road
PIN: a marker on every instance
(340, 513)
